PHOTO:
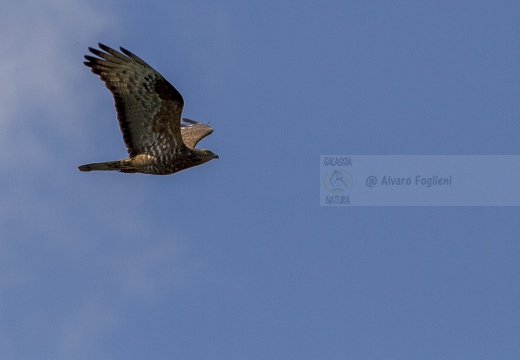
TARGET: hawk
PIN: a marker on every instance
(149, 113)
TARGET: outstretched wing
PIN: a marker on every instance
(193, 133)
(148, 107)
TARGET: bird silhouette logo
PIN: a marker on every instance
(337, 181)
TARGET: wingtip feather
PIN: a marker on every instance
(104, 47)
(84, 168)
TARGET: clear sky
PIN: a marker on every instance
(235, 259)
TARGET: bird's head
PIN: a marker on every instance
(205, 155)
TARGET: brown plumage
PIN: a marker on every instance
(149, 113)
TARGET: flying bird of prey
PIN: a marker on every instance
(149, 113)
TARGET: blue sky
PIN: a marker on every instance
(235, 259)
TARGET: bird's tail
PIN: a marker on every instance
(119, 165)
